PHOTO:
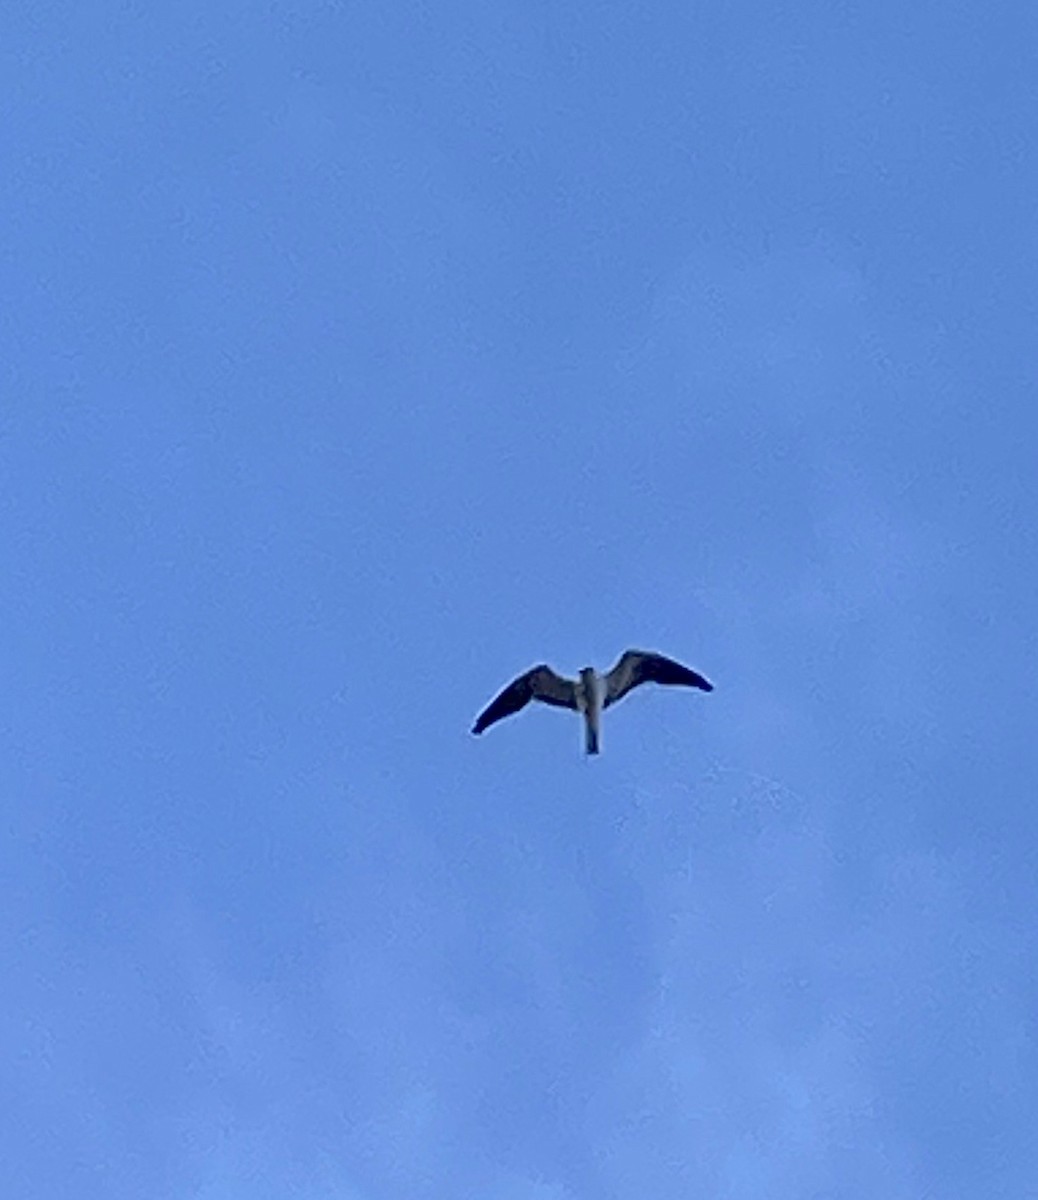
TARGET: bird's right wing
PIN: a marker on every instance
(642, 666)
(539, 683)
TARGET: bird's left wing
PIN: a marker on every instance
(642, 666)
(539, 683)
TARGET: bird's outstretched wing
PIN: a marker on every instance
(641, 666)
(539, 683)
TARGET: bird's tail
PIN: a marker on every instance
(590, 737)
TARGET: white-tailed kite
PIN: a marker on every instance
(591, 693)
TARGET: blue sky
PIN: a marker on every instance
(356, 357)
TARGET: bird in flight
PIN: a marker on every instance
(591, 693)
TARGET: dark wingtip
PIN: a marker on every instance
(707, 686)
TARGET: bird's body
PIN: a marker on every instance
(590, 687)
(590, 693)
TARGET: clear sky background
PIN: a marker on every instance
(354, 357)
